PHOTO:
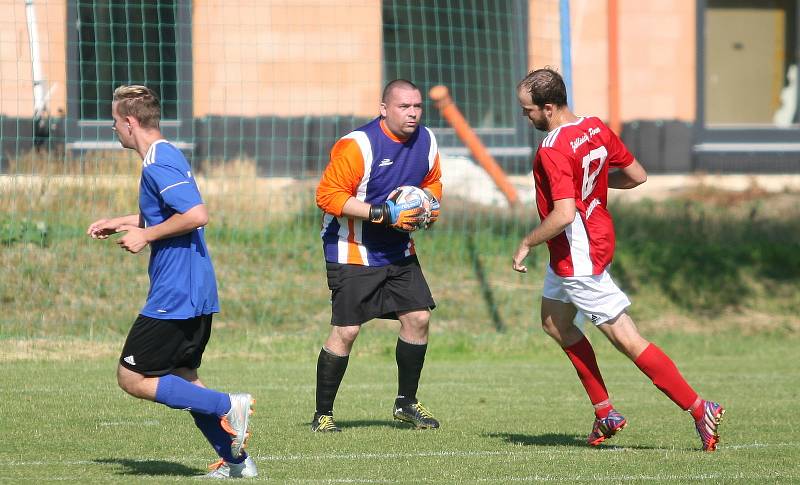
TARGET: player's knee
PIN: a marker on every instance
(549, 328)
(126, 385)
(348, 334)
(418, 320)
(128, 382)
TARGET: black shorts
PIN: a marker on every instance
(157, 347)
(361, 293)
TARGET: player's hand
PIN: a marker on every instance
(134, 241)
(101, 229)
(407, 217)
(519, 257)
(435, 206)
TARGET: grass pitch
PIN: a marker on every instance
(506, 418)
(713, 281)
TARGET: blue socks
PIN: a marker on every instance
(206, 406)
(218, 437)
(179, 393)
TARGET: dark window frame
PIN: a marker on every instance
(96, 133)
(512, 143)
(744, 138)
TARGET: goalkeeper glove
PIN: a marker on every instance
(434, 215)
(406, 217)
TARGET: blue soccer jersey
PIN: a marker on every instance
(182, 281)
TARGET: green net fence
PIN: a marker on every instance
(255, 94)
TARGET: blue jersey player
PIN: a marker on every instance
(165, 345)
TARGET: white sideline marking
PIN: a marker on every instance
(130, 423)
(392, 456)
(537, 451)
(754, 445)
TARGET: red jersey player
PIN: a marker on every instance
(571, 171)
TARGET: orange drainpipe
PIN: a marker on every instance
(441, 97)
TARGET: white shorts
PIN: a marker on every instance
(597, 297)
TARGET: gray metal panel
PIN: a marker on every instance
(293, 147)
(738, 162)
(677, 153)
(651, 146)
(661, 146)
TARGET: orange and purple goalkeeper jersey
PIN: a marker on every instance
(368, 164)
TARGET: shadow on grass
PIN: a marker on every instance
(558, 439)
(372, 423)
(365, 423)
(486, 287)
(150, 467)
(548, 439)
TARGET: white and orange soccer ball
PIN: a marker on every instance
(408, 194)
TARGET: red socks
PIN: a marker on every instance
(652, 361)
(662, 371)
(582, 356)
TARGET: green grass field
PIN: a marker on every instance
(713, 277)
(505, 419)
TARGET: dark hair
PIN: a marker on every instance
(546, 86)
(397, 83)
(140, 102)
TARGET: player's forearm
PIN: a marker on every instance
(355, 208)
(332, 200)
(129, 220)
(620, 180)
(628, 177)
(547, 230)
(554, 224)
(178, 224)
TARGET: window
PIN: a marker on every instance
(132, 42)
(750, 66)
(470, 46)
(747, 86)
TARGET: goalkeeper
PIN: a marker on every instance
(372, 267)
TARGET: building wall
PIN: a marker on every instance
(657, 59)
(657, 55)
(283, 58)
(319, 59)
(16, 73)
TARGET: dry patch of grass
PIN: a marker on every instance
(746, 322)
(750, 202)
(107, 185)
(56, 350)
(707, 260)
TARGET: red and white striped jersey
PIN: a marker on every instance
(573, 162)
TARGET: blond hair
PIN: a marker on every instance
(139, 102)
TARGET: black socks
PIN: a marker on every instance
(330, 371)
(410, 359)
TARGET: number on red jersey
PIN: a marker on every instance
(590, 179)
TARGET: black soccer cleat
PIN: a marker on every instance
(323, 423)
(416, 414)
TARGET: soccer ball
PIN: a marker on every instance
(413, 196)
